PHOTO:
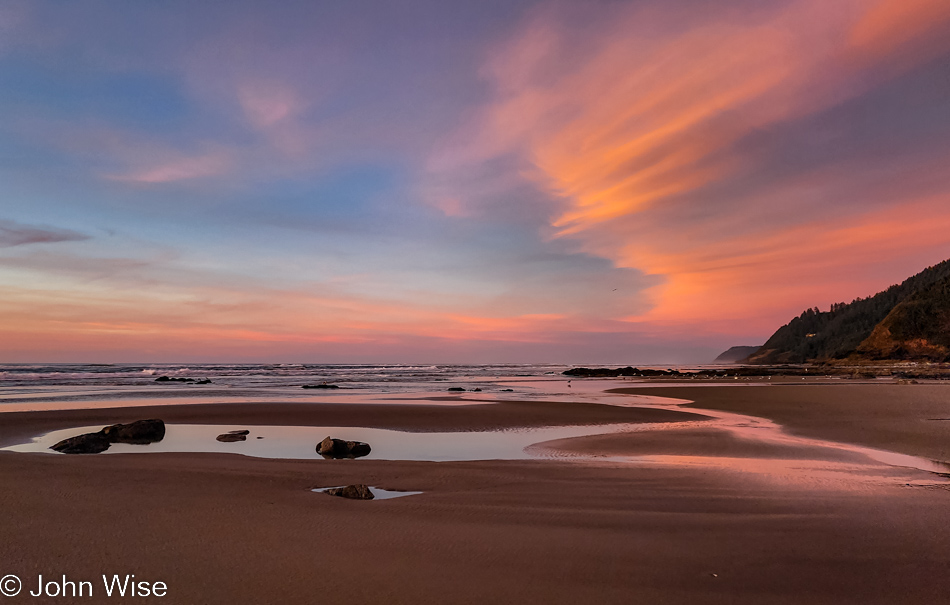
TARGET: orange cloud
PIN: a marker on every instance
(740, 280)
(626, 125)
(892, 24)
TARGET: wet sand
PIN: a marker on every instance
(233, 529)
(697, 442)
(908, 418)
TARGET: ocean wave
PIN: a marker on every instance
(258, 375)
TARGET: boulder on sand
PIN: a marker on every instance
(338, 448)
(90, 443)
(139, 432)
(355, 492)
(232, 436)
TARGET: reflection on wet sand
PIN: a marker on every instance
(747, 444)
(727, 441)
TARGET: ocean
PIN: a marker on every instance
(279, 375)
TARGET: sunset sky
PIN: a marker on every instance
(637, 182)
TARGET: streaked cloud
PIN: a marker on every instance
(914, 27)
(634, 122)
(170, 170)
(19, 234)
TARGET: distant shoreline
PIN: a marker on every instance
(843, 369)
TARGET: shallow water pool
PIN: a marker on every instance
(300, 442)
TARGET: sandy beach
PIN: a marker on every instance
(220, 528)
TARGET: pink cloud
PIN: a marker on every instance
(265, 104)
(171, 306)
(450, 206)
(177, 169)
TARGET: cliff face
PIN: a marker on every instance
(907, 321)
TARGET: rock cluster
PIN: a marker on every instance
(139, 432)
(613, 373)
(188, 380)
(338, 448)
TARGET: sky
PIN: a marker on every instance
(642, 181)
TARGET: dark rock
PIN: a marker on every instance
(614, 373)
(338, 448)
(139, 432)
(455, 389)
(320, 386)
(358, 449)
(355, 492)
(231, 437)
(90, 443)
(507, 390)
(477, 390)
(204, 381)
(168, 379)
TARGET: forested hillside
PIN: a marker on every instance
(736, 354)
(842, 331)
(917, 328)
